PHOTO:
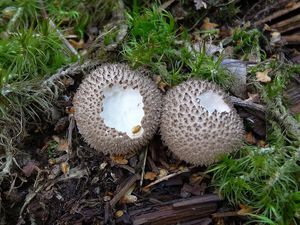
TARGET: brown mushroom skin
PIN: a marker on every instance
(191, 132)
(88, 104)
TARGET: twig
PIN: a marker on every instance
(61, 36)
(197, 200)
(166, 178)
(152, 165)
(225, 214)
(14, 19)
(8, 147)
(278, 111)
(143, 166)
(165, 5)
(107, 212)
(124, 189)
(71, 70)
(29, 197)
(251, 105)
(70, 132)
(126, 167)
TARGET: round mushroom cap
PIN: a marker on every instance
(199, 123)
(117, 110)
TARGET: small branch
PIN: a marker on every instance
(250, 105)
(278, 111)
(225, 214)
(28, 199)
(61, 36)
(166, 178)
(14, 19)
(124, 189)
(72, 70)
(70, 133)
(8, 147)
(152, 165)
(143, 166)
(197, 200)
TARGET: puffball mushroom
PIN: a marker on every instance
(199, 123)
(117, 110)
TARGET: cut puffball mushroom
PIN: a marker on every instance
(117, 110)
(199, 123)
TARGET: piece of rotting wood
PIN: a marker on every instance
(177, 211)
(289, 24)
(292, 39)
(278, 14)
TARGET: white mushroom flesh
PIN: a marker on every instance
(211, 101)
(123, 110)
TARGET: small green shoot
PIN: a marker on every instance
(51, 148)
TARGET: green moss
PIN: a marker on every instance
(31, 53)
(263, 179)
(155, 42)
(270, 183)
(247, 43)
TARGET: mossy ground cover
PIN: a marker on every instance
(262, 178)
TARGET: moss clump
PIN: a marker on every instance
(155, 42)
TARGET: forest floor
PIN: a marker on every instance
(49, 175)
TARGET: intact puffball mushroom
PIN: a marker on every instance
(117, 110)
(199, 123)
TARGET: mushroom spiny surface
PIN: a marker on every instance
(117, 110)
(199, 123)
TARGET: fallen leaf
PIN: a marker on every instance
(146, 189)
(70, 110)
(267, 27)
(150, 176)
(65, 168)
(29, 168)
(250, 138)
(68, 81)
(63, 145)
(174, 167)
(263, 76)
(52, 161)
(244, 210)
(119, 213)
(162, 173)
(162, 86)
(275, 38)
(290, 4)
(252, 98)
(196, 178)
(207, 25)
(220, 221)
(159, 82)
(261, 143)
(77, 45)
(119, 159)
(56, 138)
(183, 169)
